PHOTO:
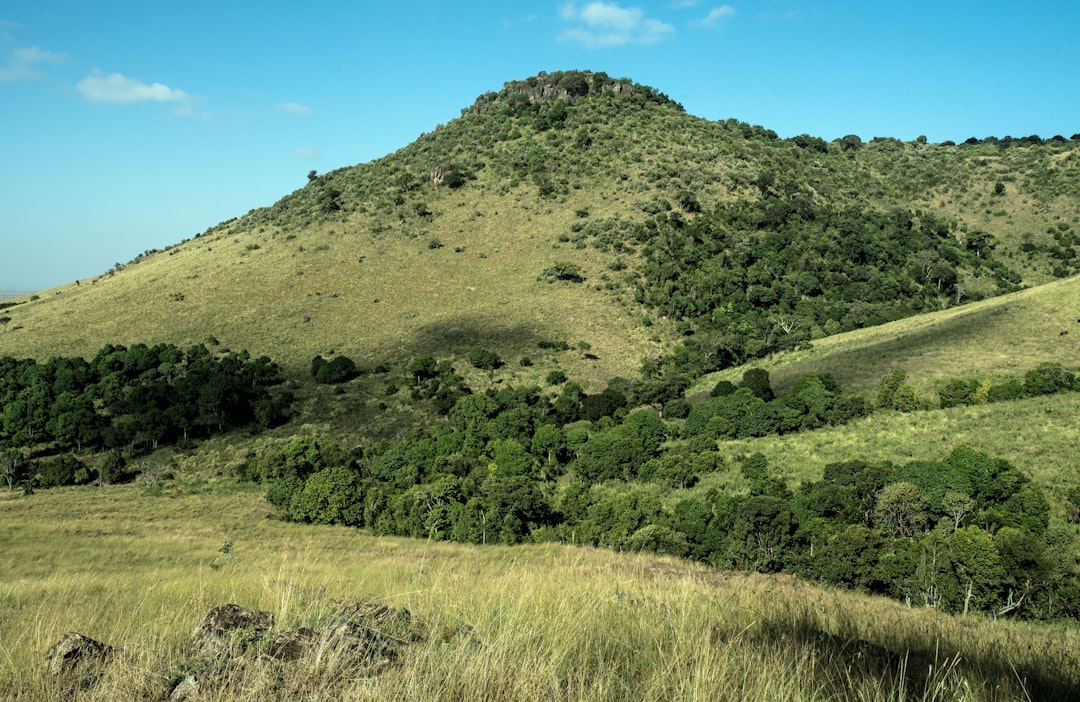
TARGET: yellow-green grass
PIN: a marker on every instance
(993, 338)
(349, 287)
(139, 570)
(1037, 435)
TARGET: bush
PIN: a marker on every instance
(1048, 379)
(555, 377)
(678, 408)
(723, 389)
(484, 359)
(1005, 392)
(65, 469)
(339, 370)
(562, 271)
(757, 381)
(113, 468)
(958, 392)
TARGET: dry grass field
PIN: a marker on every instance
(139, 568)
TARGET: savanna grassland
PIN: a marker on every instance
(139, 567)
(671, 409)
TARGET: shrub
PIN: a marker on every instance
(484, 359)
(1005, 392)
(958, 392)
(1048, 379)
(339, 370)
(555, 377)
(60, 470)
(562, 271)
(757, 381)
(113, 468)
(723, 389)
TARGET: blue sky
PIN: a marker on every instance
(127, 126)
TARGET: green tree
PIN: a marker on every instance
(339, 369)
(484, 359)
(757, 381)
(901, 510)
(329, 496)
(550, 442)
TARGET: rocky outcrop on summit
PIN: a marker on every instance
(568, 86)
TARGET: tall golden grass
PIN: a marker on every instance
(139, 569)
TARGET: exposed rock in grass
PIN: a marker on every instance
(231, 627)
(77, 660)
(293, 644)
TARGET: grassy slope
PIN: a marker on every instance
(293, 298)
(990, 338)
(139, 570)
(994, 338)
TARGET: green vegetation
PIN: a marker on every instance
(134, 398)
(846, 364)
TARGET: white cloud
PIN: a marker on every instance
(118, 88)
(24, 62)
(603, 24)
(716, 14)
(295, 108)
(306, 153)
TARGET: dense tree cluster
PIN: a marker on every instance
(138, 396)
(753, 277)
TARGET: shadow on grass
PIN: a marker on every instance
(844, 666)
(457, 335)
(865, 364)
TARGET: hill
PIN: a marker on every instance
(573, 317)
(445, 244)
(495, 333)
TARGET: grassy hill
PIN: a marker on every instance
(456, 241)
(439, 246)
(989, 338)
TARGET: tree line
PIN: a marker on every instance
(132, 398)
(969, 532)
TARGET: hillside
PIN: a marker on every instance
(671, 385)
(443, 245)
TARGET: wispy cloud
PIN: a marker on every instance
(8, 29)
(23, 64)
(716, 15)
(295, 108)
(605, 24)
(118, 88)
(306, 154)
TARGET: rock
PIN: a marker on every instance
(293, 644)
(75, 652)
(184, 689)
(368, 631)
(231, 627)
